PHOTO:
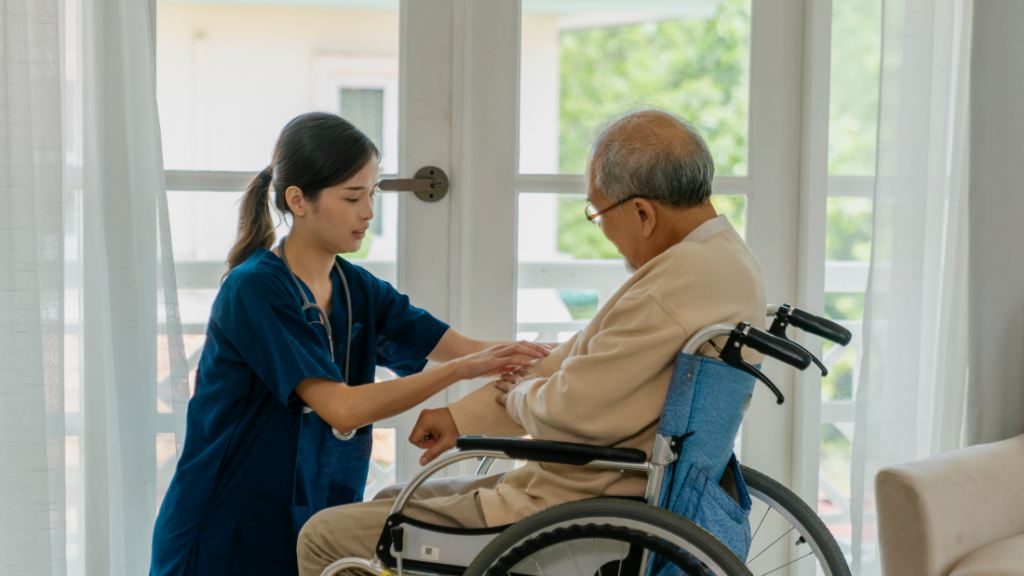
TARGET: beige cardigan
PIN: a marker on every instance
(607, 384)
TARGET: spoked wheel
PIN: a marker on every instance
(603, 537)
(787, 532)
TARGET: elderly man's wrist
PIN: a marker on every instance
(451, 419)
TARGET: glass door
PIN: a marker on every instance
(580, 66)
(230, 75)
(542, 78)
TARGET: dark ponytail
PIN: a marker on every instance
(315, 151)
(255, 226)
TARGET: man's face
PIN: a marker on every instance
(615, 223)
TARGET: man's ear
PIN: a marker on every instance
(648, 215)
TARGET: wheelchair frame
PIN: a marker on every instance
(664, 452)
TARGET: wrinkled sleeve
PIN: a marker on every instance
(637, 342)
(264, 322)
(478, 414)
(405, 334)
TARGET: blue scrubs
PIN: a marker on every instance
(254, 468)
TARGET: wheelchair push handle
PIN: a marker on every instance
(777, 348)
(819, 326)
(743, 334)
(786, 315)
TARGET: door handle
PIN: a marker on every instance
(430, 184)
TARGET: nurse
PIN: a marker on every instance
(294, 336)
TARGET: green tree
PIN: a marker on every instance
(853, 94)
(697, 69)
(848, 229)
(364, 248)
(578, 236)
(582, 239)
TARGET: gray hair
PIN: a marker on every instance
(655, 155)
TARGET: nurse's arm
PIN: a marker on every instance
(346, 407)
(455, 345)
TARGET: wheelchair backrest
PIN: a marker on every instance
(704, 408)
(706, 399)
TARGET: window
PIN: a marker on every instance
(364, 91)
(364, 107)
(567, 268)
(853, 117)
(582, 63)
(585, 62)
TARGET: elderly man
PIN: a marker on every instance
(649, 186)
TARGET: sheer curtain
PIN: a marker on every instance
(32, 515)
(131, 330)
(93, 375)
(910, 399)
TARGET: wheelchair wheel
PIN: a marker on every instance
(603, 537)
(781, 519)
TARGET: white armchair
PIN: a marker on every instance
(957, 514)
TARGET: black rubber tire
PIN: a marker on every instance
(523, 536)
(831, 555)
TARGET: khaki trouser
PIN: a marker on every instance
(352, 531)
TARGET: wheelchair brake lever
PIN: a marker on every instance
(733, 356)
(778, 329)
(397, 544)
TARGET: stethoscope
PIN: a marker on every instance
(325, 322)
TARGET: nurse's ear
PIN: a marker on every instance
(297, 203)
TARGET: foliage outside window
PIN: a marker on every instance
(582, 239)
(697, 69)
(364, 248)
(853, 86)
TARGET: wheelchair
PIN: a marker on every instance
(687, 522)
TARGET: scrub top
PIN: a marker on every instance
(254, 468)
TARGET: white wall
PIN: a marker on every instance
(230, 77)
(995, 398)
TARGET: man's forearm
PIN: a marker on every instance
(477, 414)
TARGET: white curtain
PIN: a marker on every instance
(32, 515)
(910, 398)
(93, 375)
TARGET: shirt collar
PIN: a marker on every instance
(709, 229)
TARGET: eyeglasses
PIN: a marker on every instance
(592, 213)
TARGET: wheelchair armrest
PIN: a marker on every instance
(551, 451)
(468, 447)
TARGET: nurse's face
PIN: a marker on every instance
(340, 216)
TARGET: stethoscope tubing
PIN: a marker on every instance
(325, 321)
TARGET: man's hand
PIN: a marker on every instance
(507, 382)
(435, 432)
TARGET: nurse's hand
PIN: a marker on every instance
(435, 432)
(501, 359)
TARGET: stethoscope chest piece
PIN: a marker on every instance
(343, 436)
